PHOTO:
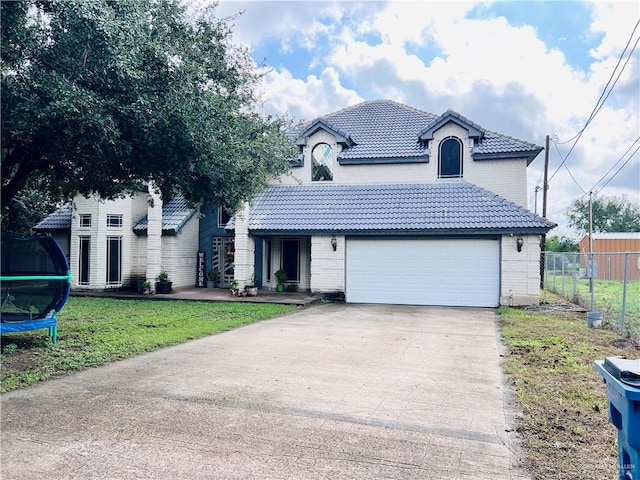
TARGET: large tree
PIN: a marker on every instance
(609, 214)
(99, 97)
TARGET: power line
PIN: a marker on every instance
(563, 163)
(615, 164)
(564, 209)
(621, 167)
(601, 100)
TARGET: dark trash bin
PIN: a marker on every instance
(622, 377)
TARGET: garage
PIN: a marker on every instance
(448, 272)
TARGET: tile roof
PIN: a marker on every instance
(58, 220)
(387, 129)
(175, 214)
(445, 207)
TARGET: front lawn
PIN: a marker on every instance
(95, 331)
(564, 424)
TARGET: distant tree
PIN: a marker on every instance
(560, 244)
(610, 214)
(101, 96)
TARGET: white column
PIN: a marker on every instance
(244, 249)
(154, 234)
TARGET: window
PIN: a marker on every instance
(114, 221)
(223, 216)
(267, 258)
(84, 259)
(450, 159)
(114, 260)
(85, 220)
(321, 157)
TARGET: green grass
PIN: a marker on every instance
(95, 331)
(564, 425)
(608, 295)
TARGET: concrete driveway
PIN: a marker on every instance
(330, 391)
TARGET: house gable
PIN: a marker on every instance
(382, 141)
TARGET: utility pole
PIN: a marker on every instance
(591, 262)
(545, 187)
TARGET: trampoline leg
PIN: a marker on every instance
(53, 334)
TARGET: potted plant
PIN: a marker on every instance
(282, 277)
(163, 285)
(212, 277)
(251, 288)
(234, 287)
(146, 287)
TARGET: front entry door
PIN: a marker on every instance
(222, 258)
(291, 258)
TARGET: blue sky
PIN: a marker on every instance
(525, 69)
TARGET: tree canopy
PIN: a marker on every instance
(555, 243)
(99, 97)
(609, 214)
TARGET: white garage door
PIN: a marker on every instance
(423, 272)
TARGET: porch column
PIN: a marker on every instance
(244, 266)
(154, 235)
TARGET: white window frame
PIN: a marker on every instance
(82, 220)
(86, 240)
(221, 213)
(461, 158)
(325, 161)
(118, 281)
(114, 220)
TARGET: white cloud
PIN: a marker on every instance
(431, 56)
(303, 99)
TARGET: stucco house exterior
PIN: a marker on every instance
(390, 204)
(114, 243)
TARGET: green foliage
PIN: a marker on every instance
(213, 274)
(94, 331)
(9, 348)
(282, 276)
(609, 214)
(101, 96)
(560, 244)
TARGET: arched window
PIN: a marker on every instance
(450, 158)
(321, 160)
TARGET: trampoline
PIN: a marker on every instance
(35, 281)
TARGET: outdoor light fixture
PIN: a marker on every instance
(334, 243)
(150, 200)
(519, 244)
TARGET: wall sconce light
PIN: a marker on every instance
(334, 243)
(519, 243)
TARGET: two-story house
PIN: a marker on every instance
(385, 203)
(390, 204)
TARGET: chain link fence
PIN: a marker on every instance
(600, 282)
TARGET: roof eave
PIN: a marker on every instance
(343, 138)
(528, 155)
(475, 131)
(383, 160)
(405, 232)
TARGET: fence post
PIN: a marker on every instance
(562, 260)
(624, 292)
(576, 258)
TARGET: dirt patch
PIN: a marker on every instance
(564, 424)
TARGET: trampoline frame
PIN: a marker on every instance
(50, 320)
